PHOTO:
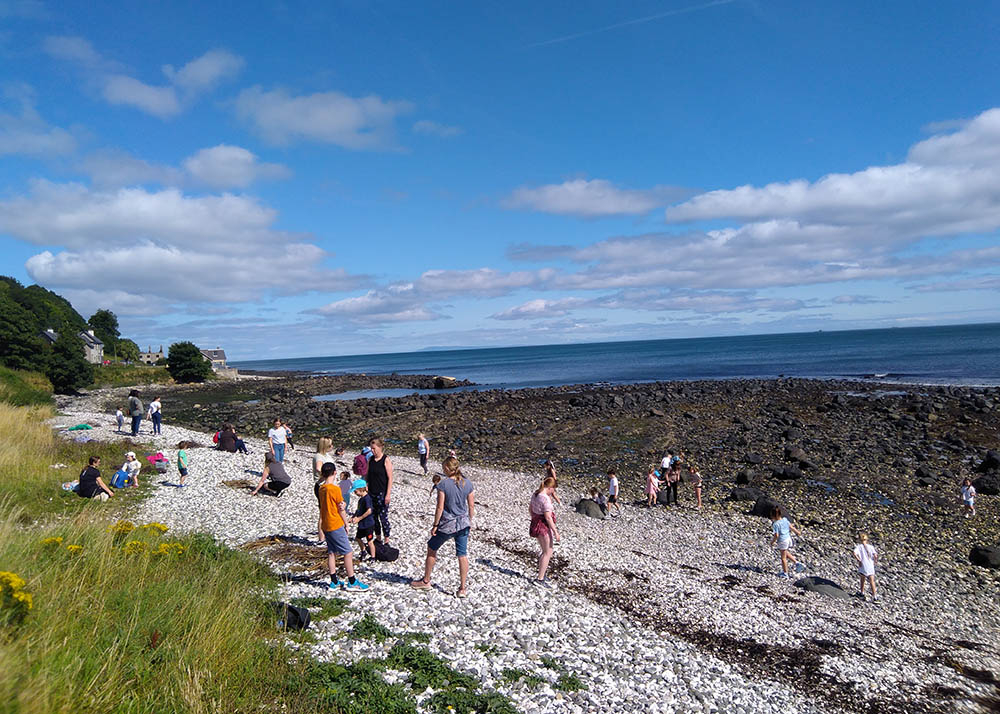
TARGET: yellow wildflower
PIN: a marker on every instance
(134, 547)
(170, 549)
(121, 528)
(158, 527)
(74, 548)
(56, 540)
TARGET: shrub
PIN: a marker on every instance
(186, 363)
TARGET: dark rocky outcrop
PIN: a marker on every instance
(829, 588)
(985, 557)
(590, 508)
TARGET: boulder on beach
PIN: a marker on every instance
(442, 382)
(786, 473)
(822, 586)
(745, 494)
(590, 508)
(991, 462)
(764, 505)
(985, 557)
(988, 484)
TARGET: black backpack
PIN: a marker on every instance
(385, 553)
(291, 617)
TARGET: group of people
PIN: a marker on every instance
(90, 483)
(672, 473)
(135, 413)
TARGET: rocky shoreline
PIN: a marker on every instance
(672, 609)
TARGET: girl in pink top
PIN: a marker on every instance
(543, 525)
(652, 486)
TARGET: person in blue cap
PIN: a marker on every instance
(365, 521)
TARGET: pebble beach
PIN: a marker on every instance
(659, 610)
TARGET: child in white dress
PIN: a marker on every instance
(866, 557)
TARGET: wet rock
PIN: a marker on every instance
(985, 557)
(764, 505)
(991, 462)
(829, 588)
(745, 494)
(744, 477)
(988, 484)
(590, 508)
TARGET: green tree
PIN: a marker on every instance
(21, 347)
(127, 350)
(186, 363)
(68, 369)
(104, 323)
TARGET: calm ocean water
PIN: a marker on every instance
(958, 354)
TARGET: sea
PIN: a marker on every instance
(943, 355)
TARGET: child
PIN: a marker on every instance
(346, 487)
(613, 491)
(694, 476)
(132, 468)
(652, 486)
(783, 539)
(182, 464)
(333, 517)
(435, 480)
(120, 418)
(366, 525)
(602, 501)
(867, 558)
(969, 498)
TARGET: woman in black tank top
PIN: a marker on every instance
(379, 479)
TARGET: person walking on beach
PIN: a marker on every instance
(652, 487)
(867, 558)
(379, 479)
(782, 538)
(456, 507)
(91, 484)
(277, 437)
(322, 456)
(182, 465)
(694, 476)
(135, 410)
(155, 415)
(274, 475)
(543, 526)
(613, 492)
(120, 418)
(673, 479)
(333, 522)
(968, 492)
(423, 449)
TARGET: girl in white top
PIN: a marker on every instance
(322, 456)
(969, 498)
(613, 492)
(131, 467)
(866, 557)
(543, 525)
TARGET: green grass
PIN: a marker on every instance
(126, 375)
(328, 606)
(569, 683)
(511, 675)
(23, 389)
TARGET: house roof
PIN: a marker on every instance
(90, 339)
(50, 334)
(215, 355)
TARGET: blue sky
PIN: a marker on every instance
(304, 179)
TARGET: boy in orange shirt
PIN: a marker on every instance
(333, 515)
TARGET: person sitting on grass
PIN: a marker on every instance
(333, 518)
(274, 475)
(456, 507)
(91, 483)
(132, 468)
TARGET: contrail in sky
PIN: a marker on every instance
(638, 21)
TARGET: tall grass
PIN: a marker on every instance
(22, 388)
(117, 628)
(126, 375)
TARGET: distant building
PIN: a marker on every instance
(150, 357)
(217, 357)
(93, 348)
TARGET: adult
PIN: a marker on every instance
(277, 437)
(227, 438)
(274, 476)
(456, 507)
(91, 483)
(423, 449)
(379, 479)
(131, 467)
(673, 477)
(543, 525)
(155, 414)
(135, 410)
(322, 456)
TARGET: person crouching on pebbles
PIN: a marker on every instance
(456, 507)
(783, 539)
(968, 492)
(333, 520)
(543, 525)
(866, 557)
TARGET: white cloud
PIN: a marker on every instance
(114, 169)
(76, 50)
(24, 132)
(983, 282)
(432, 128)
(857, 300)
(161, 102)
(206, 72)
(72, 215)
(594, 198)
(393, 304)
(328, 117)
(541, 308)
(226, 166)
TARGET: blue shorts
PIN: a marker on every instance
(461, 541)
(337, 542)
(184, 471)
